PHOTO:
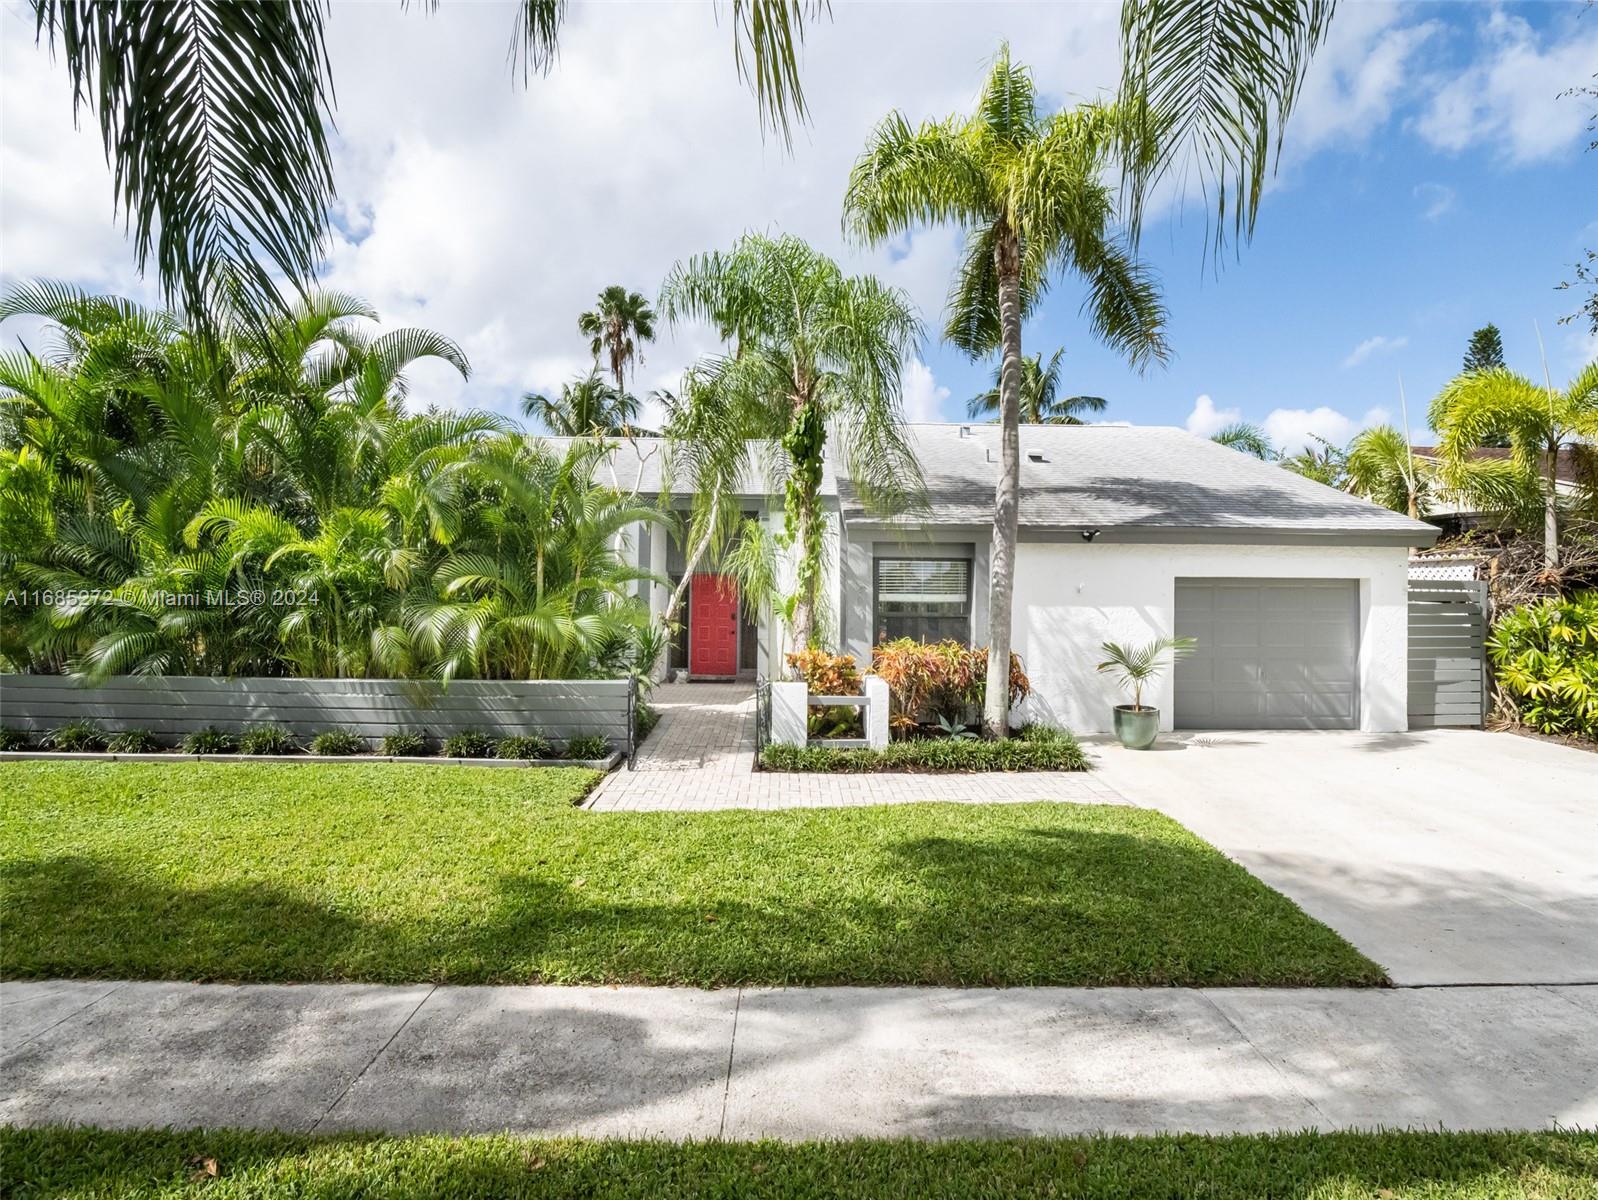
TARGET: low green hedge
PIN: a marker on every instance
(1058, 753)
(81, 736)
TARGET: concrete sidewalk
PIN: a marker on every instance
(826, 1062)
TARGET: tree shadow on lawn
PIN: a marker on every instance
(1013, 906)
(1290, 1166)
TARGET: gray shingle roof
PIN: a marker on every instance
(1110, 476)
(1089, 477)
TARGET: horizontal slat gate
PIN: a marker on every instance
(1447, 652)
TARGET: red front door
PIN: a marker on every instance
(713, 626)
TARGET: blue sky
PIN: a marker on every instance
(1432, 180)
(1391, 238)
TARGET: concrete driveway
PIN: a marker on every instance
(1450, 857)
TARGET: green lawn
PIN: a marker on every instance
(382, 872)
(1304, 1166)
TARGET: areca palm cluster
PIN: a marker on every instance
(258, 500)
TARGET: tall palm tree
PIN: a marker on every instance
(1029, 192)
(615, 327)
(817, 357)
(215, 118)
(1382, 468)
(1245, 438)
(1538, 421)
(586, 408)
(1041, 402)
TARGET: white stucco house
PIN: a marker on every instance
(1296, 592)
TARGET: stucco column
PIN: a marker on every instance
(876, 689)
(789, 714)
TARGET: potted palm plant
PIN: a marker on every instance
(1137, 724)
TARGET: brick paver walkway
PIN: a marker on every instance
(702, 757)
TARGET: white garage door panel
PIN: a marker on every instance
(1272, 654)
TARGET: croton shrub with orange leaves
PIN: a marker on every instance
(827, 674)
(830, 675)
(926, 681)
(929, 680)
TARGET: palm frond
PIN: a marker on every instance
(1245, 438)
(1209, 85)
(909, 176)
(767, 35)
(76, 308)
(397, 349)
(1123, 303)
(535, 43)
(214, 119)
(1008, 104)
(972, 320)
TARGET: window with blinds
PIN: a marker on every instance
(928, 599)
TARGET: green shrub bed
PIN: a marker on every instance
(79, 737)
(1059, 752)
(1546, 658)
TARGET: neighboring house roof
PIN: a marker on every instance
(1565, 469)
(1138, 483)
(1567, 478)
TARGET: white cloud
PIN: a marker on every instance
(1206, 420)
(55, 188)
(1357, 78)
(923, 395)
(1291, 429)
(1510, 96)
(1435, 198)
(1372, 346)
(494, 213)
(1580, 345)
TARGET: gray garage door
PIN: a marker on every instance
(1272, 654)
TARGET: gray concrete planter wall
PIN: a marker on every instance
(171, 706)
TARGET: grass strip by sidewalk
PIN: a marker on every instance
(393, 874)
(79, 1162)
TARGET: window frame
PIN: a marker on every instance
(968, 608)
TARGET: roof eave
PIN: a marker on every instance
(1417, 535)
